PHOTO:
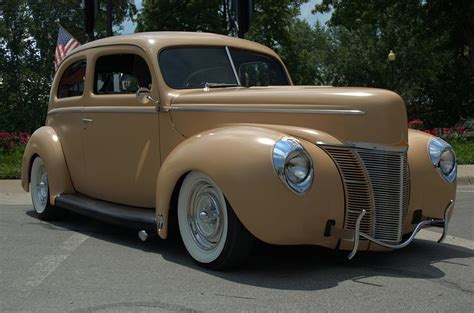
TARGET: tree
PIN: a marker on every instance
(306, 52)
(28, 32)
(272, 20)
(432, 70)
(178, 15)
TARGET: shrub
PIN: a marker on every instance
(11, 141)
(447, 133)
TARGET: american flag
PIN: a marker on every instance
(66, 43)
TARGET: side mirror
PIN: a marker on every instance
(144, 96)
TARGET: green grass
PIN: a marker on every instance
(10, 163)
(464, 150)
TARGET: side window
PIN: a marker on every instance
(120, 74)
(72, 81)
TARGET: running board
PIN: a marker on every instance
(122, 215)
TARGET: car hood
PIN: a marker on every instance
(365, 115)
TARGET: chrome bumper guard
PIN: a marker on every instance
(426, 222)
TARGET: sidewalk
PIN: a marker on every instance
(11, 193)
(466, 174)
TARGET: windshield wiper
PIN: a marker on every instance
(217, 85)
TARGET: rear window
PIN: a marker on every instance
(121, 74)
(72, 81)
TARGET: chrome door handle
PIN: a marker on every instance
(86, 121)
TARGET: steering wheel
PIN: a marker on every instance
(188, 82)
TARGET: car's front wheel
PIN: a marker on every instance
(211, 232)
(40, 192)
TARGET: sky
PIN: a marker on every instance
(129, 27)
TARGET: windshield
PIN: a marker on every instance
(198, 67)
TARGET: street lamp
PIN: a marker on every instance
(391, 58)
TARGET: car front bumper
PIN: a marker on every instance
(355, 235)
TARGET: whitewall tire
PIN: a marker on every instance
(211, 232)
(40, 192)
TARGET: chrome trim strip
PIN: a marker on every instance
(232, 64)
(370, 146)
(102, 110)
(379, 147)
(436, 222)
(66, 110)
(266, 110)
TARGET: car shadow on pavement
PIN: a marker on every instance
(289, 267)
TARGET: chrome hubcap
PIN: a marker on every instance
(42, 186)
(205, 216)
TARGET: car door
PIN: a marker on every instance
(65, 114)
(121, 135)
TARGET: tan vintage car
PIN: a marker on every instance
(210, 130)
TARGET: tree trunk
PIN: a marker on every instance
(109, 18)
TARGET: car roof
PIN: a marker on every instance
(157, 40)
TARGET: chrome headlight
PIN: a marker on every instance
(293, 164)
(443, 158)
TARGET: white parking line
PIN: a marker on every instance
(451, 240)
(43, 268)
(464, 190)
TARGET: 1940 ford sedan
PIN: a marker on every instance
(210, 129)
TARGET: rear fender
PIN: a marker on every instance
(45, 143)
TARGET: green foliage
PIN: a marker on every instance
(307, 59)
(28, 33)
(272, 20)
(178, 15)
(10, 163)
(434, 45)
(464, 150)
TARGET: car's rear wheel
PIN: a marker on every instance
(40, 192)
(211, 232)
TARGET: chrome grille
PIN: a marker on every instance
(388, 179)
(356, 187)
(375, 180)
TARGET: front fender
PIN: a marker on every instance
(45, 143)
(239, 160)
(429, 192)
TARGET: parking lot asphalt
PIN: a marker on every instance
(82, 265)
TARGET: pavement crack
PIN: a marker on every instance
(455, 263)
(412, 274)
(137, 305)
(359, 280)
(232, 296)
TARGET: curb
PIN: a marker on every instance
(466, 180)
(465, 174)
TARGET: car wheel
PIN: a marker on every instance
(40, 192)
(211, 232)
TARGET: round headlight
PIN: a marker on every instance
(447, 161)
(443, 158)
(293, 164)
(297, 167)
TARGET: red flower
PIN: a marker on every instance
(416, 124)
(24, 137)
(9, 141)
